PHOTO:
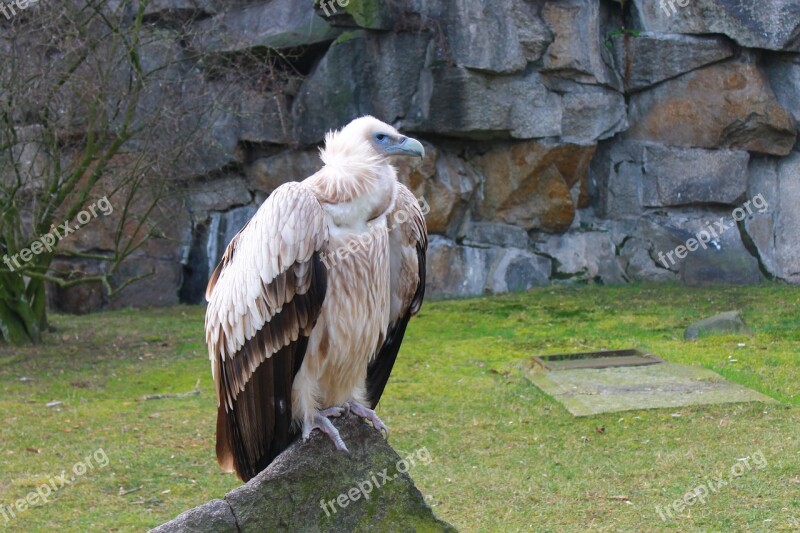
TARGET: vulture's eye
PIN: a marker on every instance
(381, 137)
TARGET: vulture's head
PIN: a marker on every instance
(368, 140)
(384, 139)
(359, 181)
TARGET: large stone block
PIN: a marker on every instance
(483, 36)
(166, 71)
(498, 37)
(577, 51)
(705, 247)
(759, 229)
(495, 234)
(462, 103)
(616, 179)
(783, 71)
(457, 271)
(590, 113)
(225, 113)
(770, 24)
(160, 287)
(148, 210)
(778, 182)
(268, 173)
(279, 24)
(159, 259)
(661, 237)
(529, 184)
(628, 177)
(728, 104)
(582, 256)
(533, 33)
(262, 116)
(363, 74)
(685, 176)
(649, 58)
(191, 124)
(217, 195)
(217, 147)
(518, 270)
(730, 264)
(637, 262)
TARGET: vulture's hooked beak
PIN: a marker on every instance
(407, 146)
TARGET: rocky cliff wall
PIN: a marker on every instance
(568, 141)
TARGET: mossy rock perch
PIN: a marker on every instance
(289, 494)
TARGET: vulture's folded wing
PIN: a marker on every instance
(263, 300)
(408, 241)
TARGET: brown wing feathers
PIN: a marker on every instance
(254, 420)
(415, 234)
(264, 298)
(381, 367)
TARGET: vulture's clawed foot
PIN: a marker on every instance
(322, 423)
(369, 414)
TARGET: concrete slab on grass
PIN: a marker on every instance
(590, 391)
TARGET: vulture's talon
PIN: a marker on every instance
(369, 414)
(322, 423)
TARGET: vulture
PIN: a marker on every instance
(310, 301)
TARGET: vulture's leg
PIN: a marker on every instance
(322, 423)
(369, 414)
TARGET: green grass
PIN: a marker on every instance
(505, 457)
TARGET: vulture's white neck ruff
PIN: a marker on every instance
(356, 183)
